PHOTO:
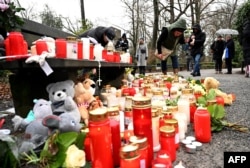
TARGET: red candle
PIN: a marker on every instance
(142, 122)
(130, 157)
(173, 122)
(100, 135)
(142, 148)
(202, 125)
(61, 48)
(79, 50)
(115, 131)
(192, 110)
(86, 144)
(167, 141)
(128, 117)
(163, 157)
(16, 43)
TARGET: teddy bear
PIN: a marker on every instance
(40, 109)
(84, 97)
(212, 83)
(61, 95)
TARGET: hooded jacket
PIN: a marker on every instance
(200, 38)
(167, 38)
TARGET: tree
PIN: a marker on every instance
(50, 18)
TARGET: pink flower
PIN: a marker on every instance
(3, 6)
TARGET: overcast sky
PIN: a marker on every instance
(100, 12)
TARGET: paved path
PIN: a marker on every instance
(211, 155)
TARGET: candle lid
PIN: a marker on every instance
(155, 112)
(157, 92)
(172, 108)
(141, 101)
(167, 129)
(113, 111)
(140, 141)
(129, 151)
(171, 121)
(187, 91)
(98, 114)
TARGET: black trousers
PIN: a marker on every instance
(218, 64)
(229, 65)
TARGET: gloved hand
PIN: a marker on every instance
(146, 58)
(137, 58)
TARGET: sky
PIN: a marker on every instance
(100, 12)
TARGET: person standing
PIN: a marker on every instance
(230, 53)
(196, 43)
(245, 42)
(142, 56)
(169, 38)
(122, 43)
(217, 49)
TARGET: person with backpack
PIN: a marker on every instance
(167, 44)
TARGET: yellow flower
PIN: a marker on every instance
(75, 157)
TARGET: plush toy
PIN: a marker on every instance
(212, 83)
(41, 109)
(61, 95)
(84, 97)
(37, 132)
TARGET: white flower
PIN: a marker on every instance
(75, 157)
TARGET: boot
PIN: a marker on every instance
(164, 72)
(175, 71)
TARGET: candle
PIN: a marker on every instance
(127, 135)
(155, 130)
(130, 157)
(167, 141)
(128, 117)
(163, 157)
(100, 135)
(174, 123)
(142, 148)
(202, 125)
(142, 121)
(86, 145)
(115, 131)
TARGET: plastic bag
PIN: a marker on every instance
(225, 54)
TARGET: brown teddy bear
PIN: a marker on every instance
(212, 83)
(84, 97)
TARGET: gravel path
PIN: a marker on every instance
(212, 154)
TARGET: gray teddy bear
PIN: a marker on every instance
(61, 95)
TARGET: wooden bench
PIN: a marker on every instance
(29, 82)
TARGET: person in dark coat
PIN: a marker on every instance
(230, 53)
(101, 34)
(169, 39)
(245, 42)
(217, 49)
(122, 43)
(196, 43)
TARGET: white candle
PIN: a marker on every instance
(122, 124)
(155, 130)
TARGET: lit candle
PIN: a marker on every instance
(127, 135)
(163, 157)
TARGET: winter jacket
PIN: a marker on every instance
(98, 34)
(200, 38)
(231, 48)
(218, 47)
(167, 39)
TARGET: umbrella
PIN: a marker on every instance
(227, 31)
